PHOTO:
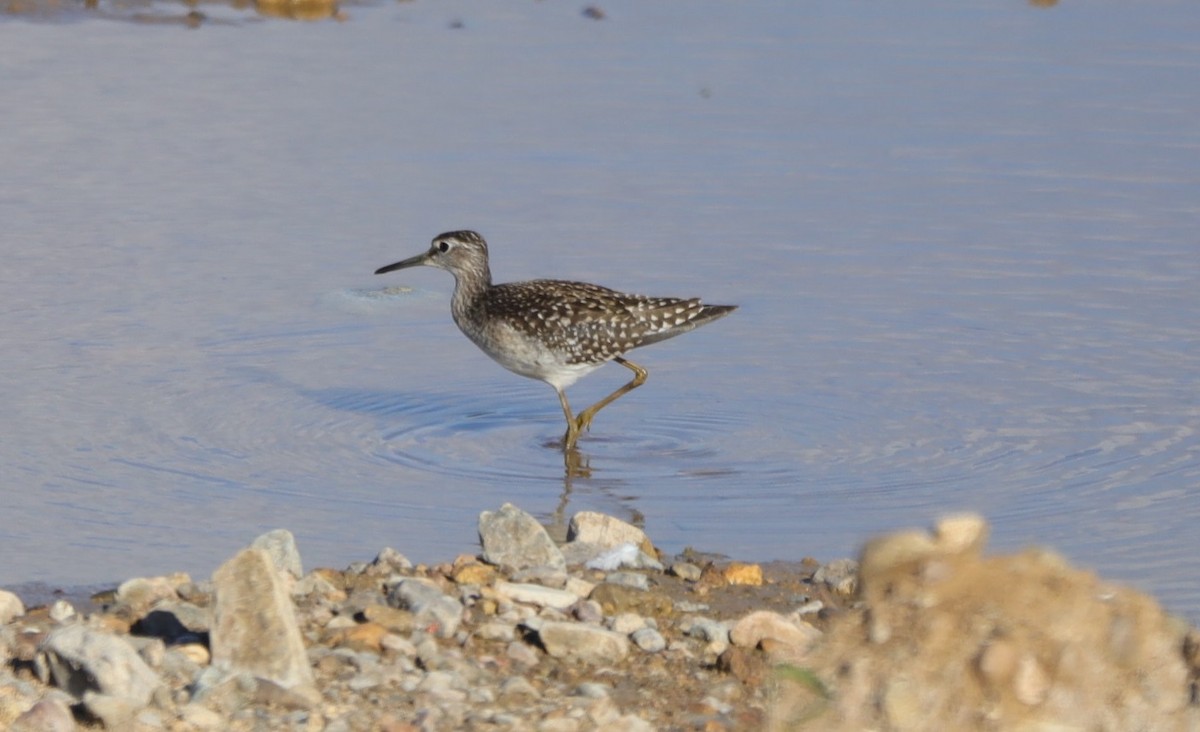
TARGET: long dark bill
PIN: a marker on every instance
(410, 262)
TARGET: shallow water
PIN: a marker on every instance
(962, 236)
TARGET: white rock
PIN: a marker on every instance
(597, 528)
(622, 555)
(626, 623)
(536, 595)
(83, 660)
(61, 611)
(585, 643)
(513, 538)
(11, 607)
(649, 640)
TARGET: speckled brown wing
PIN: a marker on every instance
(592, 324)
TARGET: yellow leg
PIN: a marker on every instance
(584, 421)
(572, 429)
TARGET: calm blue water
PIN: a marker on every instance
(963, 236)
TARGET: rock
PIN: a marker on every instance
(229, 692)
(615, 599)
(391, 560)
(201, 717)
(521, 654)
(840, 576)
(361, 637)
(281, 547)
(961, 534)
(495, 631)
(254, 622)
(394, 619)
(518, 686)
(142, 593)
(512, 538)
(555, 577)
(197, 653)
(535, 595)
(622, 555)
(11, 607)
(579, 587)
(593, 690)
(584, 643)
(753, 628)
(686, 571)
(740, 573)
(83, 660)
(649, 640)
(746, 666)
(474, 573)
(626, 623)
(61, 611)
(317, 584)
(629, 579)
(435, 611)
(115, 712)
(705, 628)
(174, 622)
(606, 532)
(587, 611)
(48, 715)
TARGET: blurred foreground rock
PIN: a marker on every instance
(945, 638)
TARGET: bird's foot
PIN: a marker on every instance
(571, 437)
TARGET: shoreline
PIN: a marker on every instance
(602, 632)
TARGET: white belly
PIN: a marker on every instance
(528, 357)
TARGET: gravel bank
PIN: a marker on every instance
(605, 633)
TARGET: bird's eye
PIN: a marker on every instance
(443, 246)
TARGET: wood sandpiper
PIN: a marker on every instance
(551, 330)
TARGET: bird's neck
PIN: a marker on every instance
(469, 286)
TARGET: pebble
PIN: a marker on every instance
(435, 611)
(535, 595)
(518, 686)
(392, 561)
(686, 571)
(495, 631)
(584, 643)
(61, 611)
(840, 576)
(649, 640)
(522, 654)
(629, 579)
(605, 531)
(626, 623)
